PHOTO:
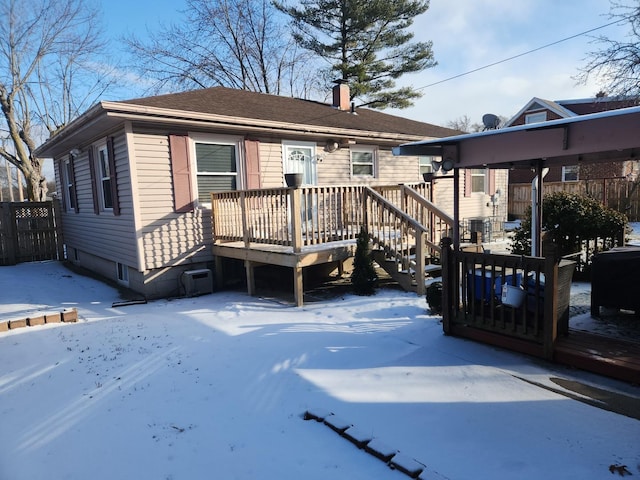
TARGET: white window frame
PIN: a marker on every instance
(230, 140)
(374, 160)
(475, 173)
(68, 186)
(537, 117)
(571, 169)
(122, 273)
(102, 155)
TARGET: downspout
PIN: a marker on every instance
(536, 210)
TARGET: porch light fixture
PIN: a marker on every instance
(75, 151)
(446, 165)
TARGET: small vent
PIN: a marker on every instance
(197, 282)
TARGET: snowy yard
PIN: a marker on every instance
(216, 387)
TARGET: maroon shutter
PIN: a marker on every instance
(467, 182)
(492, 182)
(94, 182)
(252, 163)
(113, 178)
(74, 189)
(183, 200)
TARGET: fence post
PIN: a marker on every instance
(447, 285)
(11, 233)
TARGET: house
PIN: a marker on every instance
(135, 177)
(540, 110)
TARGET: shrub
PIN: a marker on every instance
(363, 277)
(570, 218)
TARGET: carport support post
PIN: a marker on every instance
(550, 333)
(447, 285)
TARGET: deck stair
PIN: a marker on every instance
(406, 277)
(406, 230)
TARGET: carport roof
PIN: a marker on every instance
(598, 137)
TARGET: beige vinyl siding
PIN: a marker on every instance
(271, 174)
(104, 235)
(474, 205)
(168, 238)
(335, 169)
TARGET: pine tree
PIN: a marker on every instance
(365, 43)
(363, 277)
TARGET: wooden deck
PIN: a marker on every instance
(599, 354)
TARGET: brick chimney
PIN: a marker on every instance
(341, 95)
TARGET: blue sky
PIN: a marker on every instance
(466, 34)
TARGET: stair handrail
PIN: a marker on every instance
(433, 240)
(376, 228)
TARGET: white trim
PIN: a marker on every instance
(130, 139)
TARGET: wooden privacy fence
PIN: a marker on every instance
(617, 193)
(30, 232)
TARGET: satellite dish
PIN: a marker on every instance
(490, 121)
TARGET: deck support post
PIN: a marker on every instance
(298, 289)
(251, 279)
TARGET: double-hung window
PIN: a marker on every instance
(216, 168)
(479, 180)
(363, 161)
(69, 191)
(104, 178)
(570, 173)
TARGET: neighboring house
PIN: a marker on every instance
(135, 177)
(540, 110)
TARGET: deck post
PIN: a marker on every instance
(251, 278)
(420, 263)
(298, 289)
(447, 286)
(295, 194)
(244, 210)
(550, 332)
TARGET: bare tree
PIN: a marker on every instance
(240, 44)
(48, 75)
(616, 66)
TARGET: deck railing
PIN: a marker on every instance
(400, 220)
(295, 217)
(473, 291)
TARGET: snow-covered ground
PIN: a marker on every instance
(216, 387)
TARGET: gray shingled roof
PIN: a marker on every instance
(244, 104)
